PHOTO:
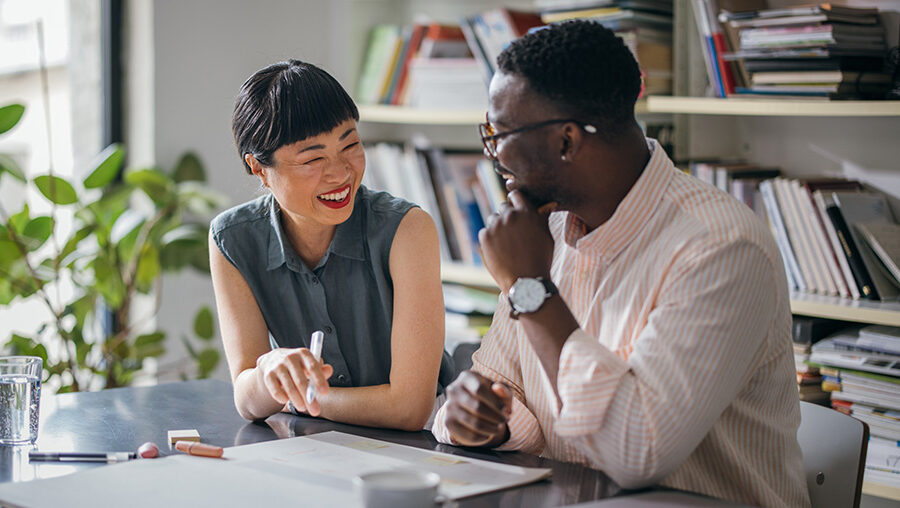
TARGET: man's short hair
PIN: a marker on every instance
(583, 68)
(284, 103)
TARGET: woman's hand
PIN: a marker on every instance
(286, 373)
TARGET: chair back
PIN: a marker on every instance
(834, 455)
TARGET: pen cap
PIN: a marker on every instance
(315, 345)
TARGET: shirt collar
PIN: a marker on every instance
(348, 239)
(632, 213)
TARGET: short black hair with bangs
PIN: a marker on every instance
(284, 103)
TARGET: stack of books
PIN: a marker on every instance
(644, 25)
(426, 66)
(459, 189)
(805, 332)
(824, 51)
(861, 371)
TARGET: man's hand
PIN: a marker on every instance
(477, 411)
(286, 374)
(516, 241)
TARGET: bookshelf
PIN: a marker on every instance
(855, 139)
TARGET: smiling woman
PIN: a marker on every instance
(320, 252)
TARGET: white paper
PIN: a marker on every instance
(317, 470)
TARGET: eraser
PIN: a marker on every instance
(183, 435)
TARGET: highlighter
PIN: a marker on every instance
(315, 347)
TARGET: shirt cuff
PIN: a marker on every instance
(589, 374)
(524, 431)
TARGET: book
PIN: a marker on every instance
(493, 30)
(376, 65)
(868, 207)
(884, 240)
(808, 77)
(776, 222)
(823, 257)
(411, 49)
(848, 245)
(446, 83)
(807, 330)
(797, 234)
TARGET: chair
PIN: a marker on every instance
(834, 455)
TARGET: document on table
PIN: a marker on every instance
(318, 469)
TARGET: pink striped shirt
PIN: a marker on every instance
(681, 373)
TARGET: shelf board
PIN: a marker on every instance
(379, 113)
(871, 488)
(863, 311)
(458, 273)
(770, 107)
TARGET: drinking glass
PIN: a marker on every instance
(20, 399)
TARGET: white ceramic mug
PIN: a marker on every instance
(399, 488)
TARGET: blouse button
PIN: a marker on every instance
(328, 329)
(341, 378)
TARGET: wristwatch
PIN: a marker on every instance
(528, 295)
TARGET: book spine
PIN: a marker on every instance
(792, 224)
(841, 259)
(860, 274)
(791, 268)
(821, 257)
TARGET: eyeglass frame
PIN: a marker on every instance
(490, 140)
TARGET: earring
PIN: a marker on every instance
(563, 157)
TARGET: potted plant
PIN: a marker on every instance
(129, 228)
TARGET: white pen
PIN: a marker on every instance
(315, 347)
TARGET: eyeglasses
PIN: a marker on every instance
(489, 136)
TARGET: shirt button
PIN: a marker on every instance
(328, 329)
(342, 378)
(315, 280)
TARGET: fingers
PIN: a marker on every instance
(477, 410)
(518, 201)
(287, 375)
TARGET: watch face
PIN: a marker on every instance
(527, 295)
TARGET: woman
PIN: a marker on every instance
(319, 251)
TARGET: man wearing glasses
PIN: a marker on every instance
(645, 328)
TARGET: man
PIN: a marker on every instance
(645, 327)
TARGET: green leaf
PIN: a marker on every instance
(189, 168)
(9, 165)
(56, 189)
(186, 233)
(107, 166)
(206, 362)
(148, 267)
(156, 184)
(9, 116)
(150, 345)
(19, 220)
(38, 229)
(203, 324)
(127, 224)
(200, 199)
(9, 252)
(108, 282)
